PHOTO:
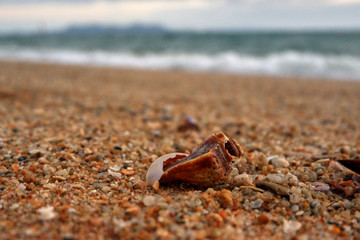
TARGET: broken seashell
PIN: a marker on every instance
(206, 165)
(156, 169)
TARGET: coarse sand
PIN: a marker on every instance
(76, 142)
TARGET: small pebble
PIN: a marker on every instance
(62, 173)
(117, 148)
(128, 172)
(48, 169)
(242, 180)
(314, 204)
(276, 178)
(105, 189)
(295, 198)
(49, 186)
(348, 204)
(294, 208)
(225, 198)
(257, 203)
(279, 162)
(263, 219)
(260, 159)
(156, 185)
(149, 200)
(299, 213)
(291, 226)
(46, 213)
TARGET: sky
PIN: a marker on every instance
(33, 15)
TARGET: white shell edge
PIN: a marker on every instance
(155, 171)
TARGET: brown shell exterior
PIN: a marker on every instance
(207, 165)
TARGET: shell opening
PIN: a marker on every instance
(229, 148)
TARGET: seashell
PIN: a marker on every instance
(155, 171)
(207, 165)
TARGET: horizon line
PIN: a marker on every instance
(188, 30)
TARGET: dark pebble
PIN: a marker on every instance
(117, 148)
(313, 204)
(166, 118)
(83, 162)
(314, 213)
(348, 177)
(98, 185)
(220, 187)
(336, 207)
(89, 138)
(22, 158)
(62, 159)
(333, 223)
(188, 124)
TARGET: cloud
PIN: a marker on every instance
(103, 11)
(183, 14)
(14, 2)
(243, 3)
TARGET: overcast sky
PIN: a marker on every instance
(29, 15)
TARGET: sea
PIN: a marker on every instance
(312, 54)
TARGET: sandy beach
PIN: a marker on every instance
(76, 142)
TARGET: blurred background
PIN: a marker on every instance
(316, 39)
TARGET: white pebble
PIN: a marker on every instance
(295, 208)
(299, 213)
(276, 178)
(149, 200)
(242, 180)
(279, 162)
(260, 159)
(48, 169)
(49, 185)
(115, 168)
(348, 204)
(22, 186)
(46, 213)
(115, 174)
(257, 203)
(234, 172)
(291, 226)
(62, 173)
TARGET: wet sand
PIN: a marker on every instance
(76, 142)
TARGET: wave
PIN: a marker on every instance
(287, 63)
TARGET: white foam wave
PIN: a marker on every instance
(289, 63)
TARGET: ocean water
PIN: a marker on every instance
(301, 54)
